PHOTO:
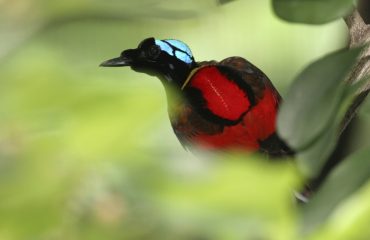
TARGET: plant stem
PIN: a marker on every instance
(359, 35)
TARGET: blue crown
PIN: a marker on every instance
(177, 49)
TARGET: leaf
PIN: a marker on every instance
(312, 11)
(345, 179)
(224, 1)
(311, 160)
(314, 98)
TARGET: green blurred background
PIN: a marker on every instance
(88, 153)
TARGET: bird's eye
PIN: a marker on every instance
(153, 52)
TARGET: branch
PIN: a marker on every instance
(359, 34)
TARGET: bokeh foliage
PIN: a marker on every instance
(312, 12)
(325, 94)
(88, 153)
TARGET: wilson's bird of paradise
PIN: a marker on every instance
(226, 105)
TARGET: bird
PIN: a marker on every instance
(214, 106)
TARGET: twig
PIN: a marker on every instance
(359, 34)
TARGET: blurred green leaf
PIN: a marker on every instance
(314, 98)
(234, 188)
(312, 11)
(224, 1)
(341, 183)
(350, 220)
(311, 160)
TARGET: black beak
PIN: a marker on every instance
(117, 62)
(126, 59)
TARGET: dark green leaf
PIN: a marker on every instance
(224, 1)
(311, 160)
(314, 98)
(341, 183)
(312, 11)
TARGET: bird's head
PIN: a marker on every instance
(171, 60)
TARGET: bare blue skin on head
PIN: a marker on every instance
(177, 49)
